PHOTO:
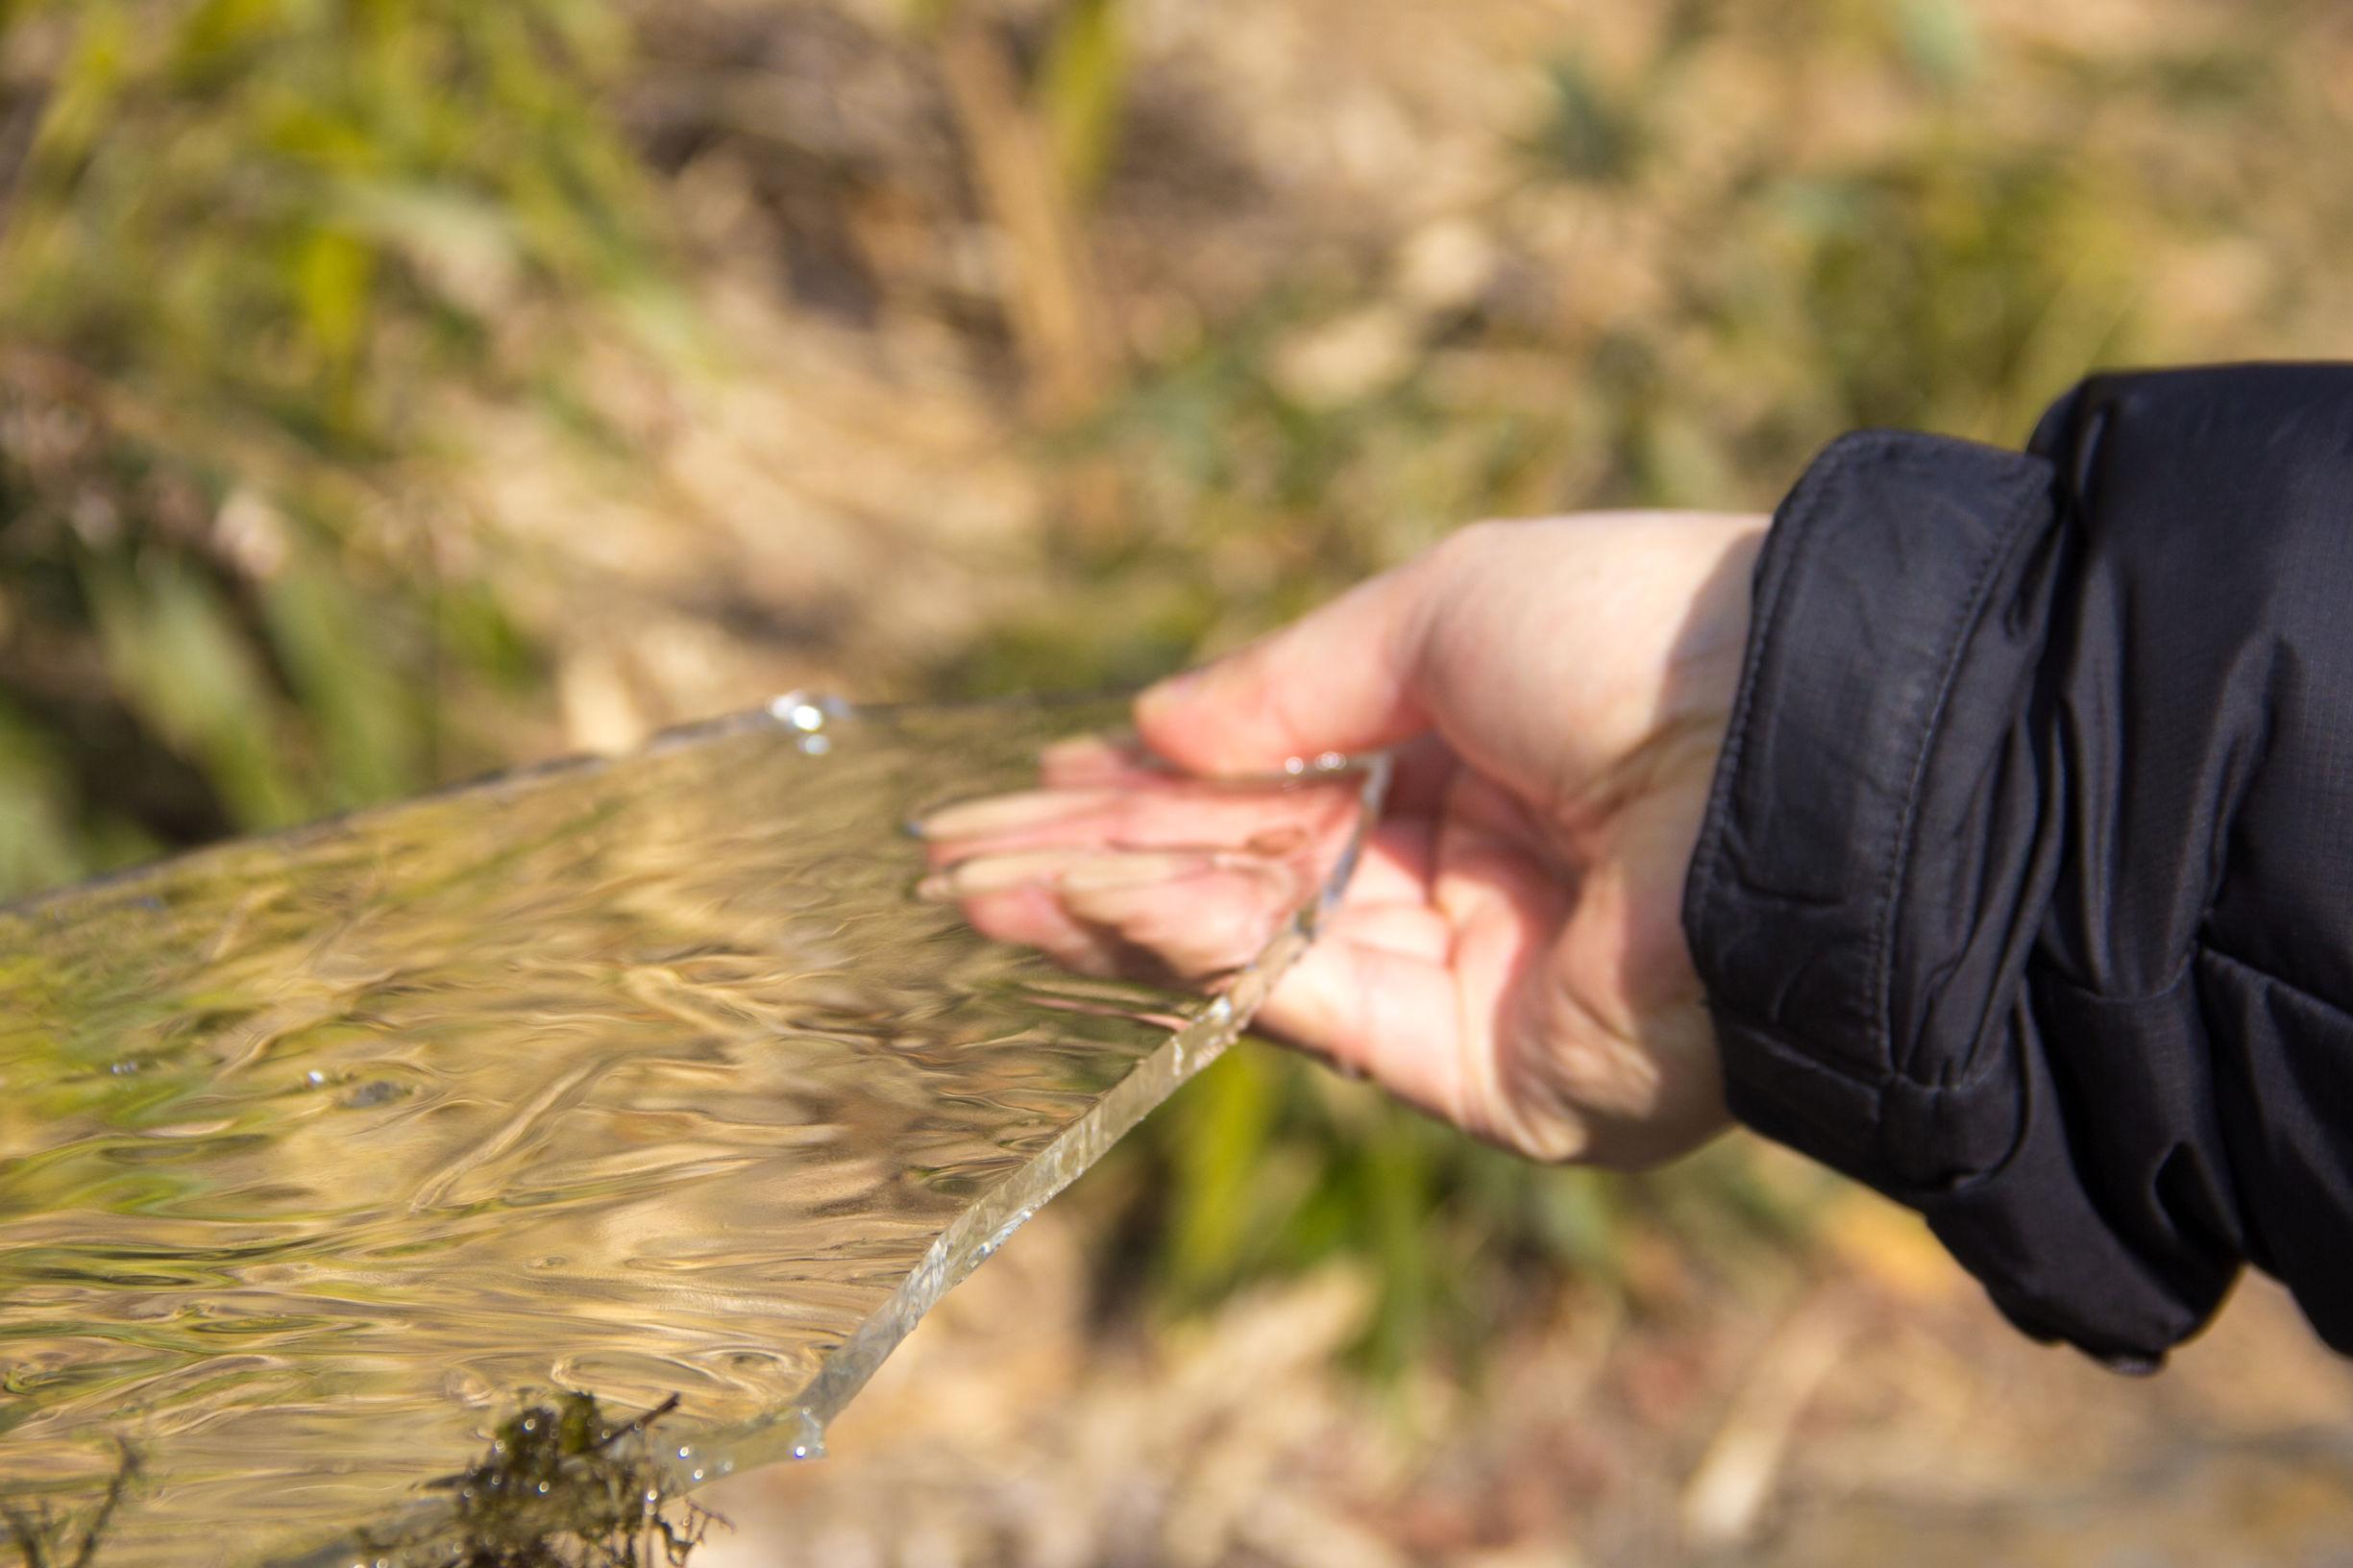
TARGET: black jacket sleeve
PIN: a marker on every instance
(2026, 893)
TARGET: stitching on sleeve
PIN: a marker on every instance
(1825, 485)
(1898, 852)
(1766, 632)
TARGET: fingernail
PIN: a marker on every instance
(1278, 841)
(1005, 813)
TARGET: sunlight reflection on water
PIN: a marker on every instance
(645, 1077)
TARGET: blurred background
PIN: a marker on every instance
(392, 389)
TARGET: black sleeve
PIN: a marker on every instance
(2026, 893)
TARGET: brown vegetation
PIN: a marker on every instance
(398, 390)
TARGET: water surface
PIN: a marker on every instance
(645, 1077)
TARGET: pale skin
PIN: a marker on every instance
(1509, 955)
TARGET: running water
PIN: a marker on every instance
(648, 1078)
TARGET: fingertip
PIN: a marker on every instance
(1095, 761)
(1167, 693)
(1341, 678)
(1170, 719)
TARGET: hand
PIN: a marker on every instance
(1510, 954)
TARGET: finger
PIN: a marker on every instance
(1396, 1018)
(1408, 930)
(1033, 916)
(1420, 773)
(1151, 914)
(1168, 814)
(1063, 904)
(1396, 867)
(1341, 679)
(1209, 924)
(985, 874)
(1099, 760)
(995, 816)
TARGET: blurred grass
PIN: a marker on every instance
(246, 242)
(1954, 270)
(244, 239)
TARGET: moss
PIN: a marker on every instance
(562, 1486)
(567, 1486)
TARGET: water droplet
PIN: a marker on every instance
(1294, 766)
(698, 1472)
(686, 1452)
(1330, 762)
(814, 745)
(543, 1488)
(798, 712)
(809, 1441)
(315, 1076)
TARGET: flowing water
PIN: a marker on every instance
(647, 1077)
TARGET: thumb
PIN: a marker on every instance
(1343, 679)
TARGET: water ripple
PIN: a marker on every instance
(647, 1077)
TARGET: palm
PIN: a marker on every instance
(1509, 955)
(1514, 969)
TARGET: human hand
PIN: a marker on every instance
(1509, 953)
